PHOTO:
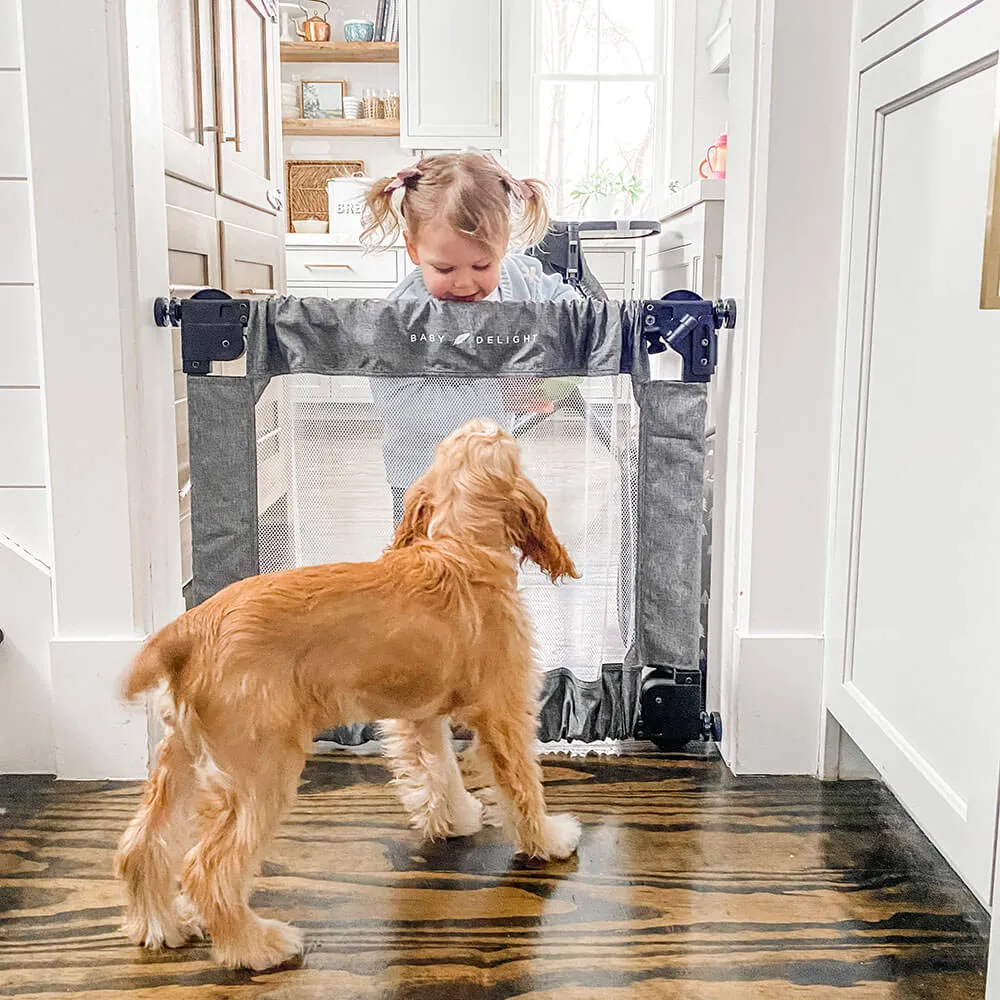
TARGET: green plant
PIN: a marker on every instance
(606, 182)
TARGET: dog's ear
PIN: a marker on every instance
(529, 529)
(416, 516)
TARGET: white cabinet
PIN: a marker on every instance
(613, 263)
(687, 254)
(688, 251)
(338, 272)
(911, 673)
(451, 72)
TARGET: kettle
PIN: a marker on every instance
(315, 28)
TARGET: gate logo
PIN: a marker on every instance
(491, 339)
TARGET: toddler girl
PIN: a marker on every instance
(459, 214)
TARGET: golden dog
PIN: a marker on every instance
(433, 629)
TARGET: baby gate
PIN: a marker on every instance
(287, 466)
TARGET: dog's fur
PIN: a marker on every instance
(432, 630)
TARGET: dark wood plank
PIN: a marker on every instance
(689, 883)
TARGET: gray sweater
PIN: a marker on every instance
(418, 412)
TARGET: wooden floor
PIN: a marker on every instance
(689, 884)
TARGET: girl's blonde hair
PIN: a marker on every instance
(470, 192)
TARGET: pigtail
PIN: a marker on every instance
(530, 222)
(382, 219)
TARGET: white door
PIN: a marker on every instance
(914, 673)
(443, 42)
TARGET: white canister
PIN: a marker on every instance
(346, 196)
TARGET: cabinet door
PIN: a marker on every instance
(249, 140)
(251, 261)
(441, 42)
(188, 86)
(912, 673)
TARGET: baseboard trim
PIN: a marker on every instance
(778, 704)
(97, 736)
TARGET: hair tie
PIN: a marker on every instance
(519, 189)
(405, 178)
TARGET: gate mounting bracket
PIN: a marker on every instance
(689, 324)
(212, 327)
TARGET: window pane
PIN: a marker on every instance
(627, 130)
(567, 142)
(567, 36)
(628, 36)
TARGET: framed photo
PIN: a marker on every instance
(323, 98)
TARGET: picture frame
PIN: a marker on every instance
(322, 98)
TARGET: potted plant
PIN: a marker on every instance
(607, 193)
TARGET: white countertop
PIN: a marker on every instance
(693, 194)
(307, 240)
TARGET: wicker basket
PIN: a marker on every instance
(305, 182)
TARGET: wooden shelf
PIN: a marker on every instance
(342, 52)
(340, 126)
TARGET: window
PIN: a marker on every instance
(597, 79)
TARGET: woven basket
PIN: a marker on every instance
(305, 182)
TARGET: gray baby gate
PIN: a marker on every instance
(619, 454)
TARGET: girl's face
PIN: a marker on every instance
(454, 267)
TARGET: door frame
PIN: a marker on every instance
(101, 253)
(782, 263)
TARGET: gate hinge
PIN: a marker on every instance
(688, 324)
(212, 326)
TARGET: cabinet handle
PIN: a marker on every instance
(235, 138)
(317, 267)
(989, 294)
(257, 291)
(182, 289)
(496, 103)
(215, 128)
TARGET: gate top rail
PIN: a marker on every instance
(377, 337)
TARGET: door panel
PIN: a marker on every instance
(247, 73)
(918, 527)
(187, 85)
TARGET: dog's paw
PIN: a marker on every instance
(189, 923)
(282, 943)
(274, 943)
(560, 835)
(466, 817)
(494, 811)
(163, 930)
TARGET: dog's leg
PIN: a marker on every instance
(422, 759)
(244, 799)
(507, 735)
(479, 779)
(150, 851)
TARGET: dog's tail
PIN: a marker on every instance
(162, 658)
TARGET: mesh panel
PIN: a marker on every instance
(335, 447)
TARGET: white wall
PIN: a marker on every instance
(711, 90)
(26, 743)
(697, 99)
(24, 518)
